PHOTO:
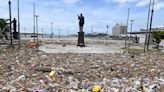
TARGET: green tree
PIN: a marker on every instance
(3, 27)
(157, 37)
(3, 24)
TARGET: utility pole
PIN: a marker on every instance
(18, 24)
(25, 31)
(131, 29)
(151, 21)
(37, 29)
(107, 29)
(59, 32)
(68, 33)
(146, 36)
(34, 19)
(42, 33)
(107, 34)
(127, 26)
(11, 36)
(51, 30)
(91, 29)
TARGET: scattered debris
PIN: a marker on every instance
(27, 70)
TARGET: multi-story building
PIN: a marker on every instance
(119, 29)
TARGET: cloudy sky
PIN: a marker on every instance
(98, 13)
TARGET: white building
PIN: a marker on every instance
(119, 29)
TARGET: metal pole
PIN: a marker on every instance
(59, 32)
(107, 29)
(34, 20)
(42, 32)
(25, 31)
(37, 28)
(147, 27)
(91, 29)
(131, 31)
(107, 34)
(18, 24)
(151, 21)
(68, 33)
(127, 26)
(51, 30)
(11, 36)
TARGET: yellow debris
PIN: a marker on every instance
(52, 73)
(96, 89)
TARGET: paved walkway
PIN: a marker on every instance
(52, 48)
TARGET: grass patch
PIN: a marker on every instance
(135, 51)
(140, 51)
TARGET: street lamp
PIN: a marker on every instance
(131, 29)
(127, 26)
(42, 33)
(59, 32)
(107, 29)
(37, 28)
(25, 31)
(51, 30)
(68, 33)
(146, 36)
(34, 20)
(107, 34)
(151, 21)
(18, 23)
(10, 23)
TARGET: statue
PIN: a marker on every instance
(81, 22)
(81, 33)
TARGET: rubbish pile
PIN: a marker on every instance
(29, 70)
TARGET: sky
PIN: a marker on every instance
(97, 13)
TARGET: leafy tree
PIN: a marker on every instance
(3, 27)
(157, 37)
(3, 24)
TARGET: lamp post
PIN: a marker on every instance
(107, 34)
(151, 21)
(131, 29)
(11, 36)
(59, 32)
(51, 30)
(37, 28)
(146, 36)
(127, 26)
(91, 29)
(42, 33)
(107, 29)
(68, 33)
(34, 20)
(18, 23)
(25, 31)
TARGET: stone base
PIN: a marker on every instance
(81, 39)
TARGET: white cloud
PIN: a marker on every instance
(71, 1)
(124, 1)
(142, 3)
(159, 6)
(119, 1)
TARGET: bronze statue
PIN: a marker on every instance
(81, 33)
(81, 22)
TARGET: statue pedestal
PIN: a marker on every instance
(81, 39)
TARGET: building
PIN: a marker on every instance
(119, 29)
(158, 29)
(142, 34)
